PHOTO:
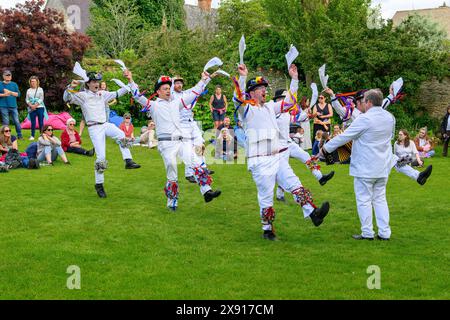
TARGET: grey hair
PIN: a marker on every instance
(375, 96)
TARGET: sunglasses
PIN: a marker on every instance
(7, 131)
(49, 129)
(321, 97)
(71, 124)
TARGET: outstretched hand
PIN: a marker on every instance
(329, 91)
(243, 71)
(205, 75)
(293, 72)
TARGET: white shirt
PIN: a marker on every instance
(186, 114)
(402, 152)
(93, 104)
(33, 94)
(448, 124)
(260, 124)
(371, 133)
(166, 114)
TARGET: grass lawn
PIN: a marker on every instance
(129, 246)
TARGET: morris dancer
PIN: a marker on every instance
(191, 131)
(267, 162)
(165, 111)
(92, 103)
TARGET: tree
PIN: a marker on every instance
(116, 26)
(36, 42)
(152, 11)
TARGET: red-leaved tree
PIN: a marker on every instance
(36, 42)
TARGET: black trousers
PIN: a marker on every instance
(77, 150)
(446, 141)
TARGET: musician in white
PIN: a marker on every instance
(372, 161)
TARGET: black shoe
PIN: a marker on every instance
(90, 153)
(269, 235)
(209, 195)
(381, 238)
(210, 172)
(281, 199)
(191, 179)
(325, 178)
(424, 175)
(33, 164)
(100, 191)
(319, 214)
(360, 237)
(130, 164)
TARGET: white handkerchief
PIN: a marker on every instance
(79, 71)
(397, 85)
(291, 55)
(323, 77)
(315, 94)
(242, 48)
(213, 63)
(122, 64)
(121, 84)
(224, 73)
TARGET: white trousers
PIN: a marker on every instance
(98, 134)
(190, 130)
(408, 171)
(371, 193)
(170, 150)
(268, 170)
(298, 153)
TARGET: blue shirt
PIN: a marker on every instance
(10, 101)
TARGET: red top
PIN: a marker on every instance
(124, 129)
(65, 139)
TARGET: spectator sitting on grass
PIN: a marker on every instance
(316, 143)
(127, 127)
(298, 137)
(147, 137)
(49, 147)
(10, 156)
(71, 141)
(424, 144)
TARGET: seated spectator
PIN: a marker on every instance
(71, 141)
(10, 157)
(49, 147)
(7, 141)
(224, 145)
(226, 124)
(148, 135)
(127, 127)
(424, 144)
(336, 130)
(406, 151)
(329, 158)
(316, 143)
(239, 133)
(298, 137)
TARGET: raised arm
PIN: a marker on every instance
(238, 101)
(188, 98)
(71, 96)
(109, 96)
(141, 99)
(290, 100)
(389, 99)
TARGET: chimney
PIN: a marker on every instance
(205, 5)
